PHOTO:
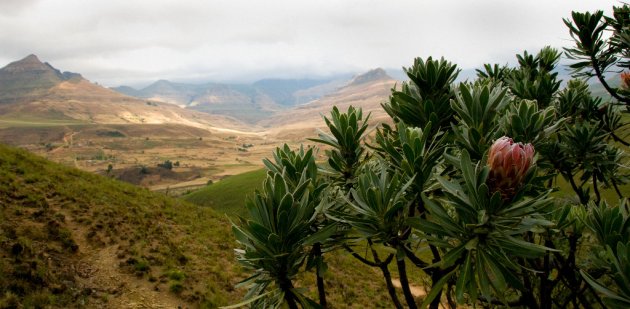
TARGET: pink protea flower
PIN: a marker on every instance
(625, 80)
(509, 163)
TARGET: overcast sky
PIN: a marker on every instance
(134, 42)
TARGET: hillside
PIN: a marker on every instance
(74, 239)
(32, 91)
(228, 195)
(286, 92)
(69, 237)
(366, 90)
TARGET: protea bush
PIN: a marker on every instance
(504, 191)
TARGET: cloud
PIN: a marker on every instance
(15, 7)
(119, 41)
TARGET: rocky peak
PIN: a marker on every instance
(370, 76)
(30, 77)
(30, 63)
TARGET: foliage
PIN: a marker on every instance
(426, 97)
(462, 185)
(166, 164)
(227, 195)
(597, 54)
(273, 241)
(347, 129)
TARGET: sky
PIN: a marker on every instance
(135, 42)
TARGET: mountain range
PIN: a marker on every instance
(34, 90)
(247, 102)
(31, 90)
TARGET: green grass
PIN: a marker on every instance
(9, 123)
(180, 248)
(228, 195)
(44, 119)
(47, 209)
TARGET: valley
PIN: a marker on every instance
(207, 131)
(77, 237)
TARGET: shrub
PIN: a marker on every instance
(167, 165)
(466, 174)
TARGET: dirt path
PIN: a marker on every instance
(416, 291)
(98, 271)
(68, 141)
(195, 183)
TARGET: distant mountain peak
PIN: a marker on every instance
(30, 77)
(370, 76)
(29, 63)
(31, 58)
(32, 64)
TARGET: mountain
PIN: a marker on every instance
(367, 90)
(30, 89)
(374, 75)
(242, 102)
(164, 91)
(30, 77)
(282, 91)
(249, 103)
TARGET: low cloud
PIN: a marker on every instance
(117, 41)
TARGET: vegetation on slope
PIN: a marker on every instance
(228, 195)
(70, 238)
(54, 221)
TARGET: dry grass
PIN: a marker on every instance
(55, 218)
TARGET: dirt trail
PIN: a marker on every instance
(98, 271)
(68, 141)
(416, 291)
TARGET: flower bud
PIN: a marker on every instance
(509, 163)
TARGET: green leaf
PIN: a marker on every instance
(436, 289)
(321, 236)
(464, 277)
(248, 301)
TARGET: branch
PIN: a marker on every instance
(614, 183)
(618, 139)
(599, 198)
(602, 80)
(359, 257)
(415, 259)
(578, 191)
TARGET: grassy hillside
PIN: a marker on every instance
(74, 239)
(228, 195)
(68, 237)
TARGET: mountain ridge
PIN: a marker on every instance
(30, 77)
(247, 102)
(34, 89)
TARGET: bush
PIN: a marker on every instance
(466, 175)
(167, 165)
(176, 275)
(176, 287)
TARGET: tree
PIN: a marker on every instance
(167, 165)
